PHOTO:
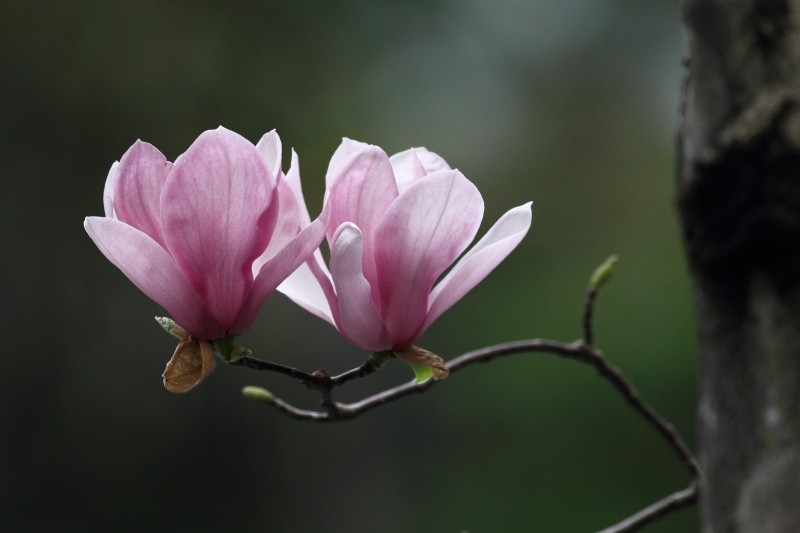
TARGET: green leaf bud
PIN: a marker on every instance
(258, 394)
(603, 272)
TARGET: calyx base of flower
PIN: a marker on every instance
(225, 350)
(420, 357)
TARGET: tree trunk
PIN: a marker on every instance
(739, 197)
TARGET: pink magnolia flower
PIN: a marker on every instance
(395, 225)
(211, 236)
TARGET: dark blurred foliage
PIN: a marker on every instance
(572, 104)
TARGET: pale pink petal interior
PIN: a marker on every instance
(286, 227)
(217, 218)
(306, 290)
(362, 191)
(423, 232)
(413, 164)
(345, 150)
(276, 270)
(499, 241)
(141, 175)
(360, 322)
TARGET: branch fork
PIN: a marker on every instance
(581, 350)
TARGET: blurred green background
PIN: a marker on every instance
(570, 103)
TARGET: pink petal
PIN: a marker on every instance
(293, 212)
(108, 190)
(154, 272)
(345, 150)
(271, 149)
(360, 322)
(286, 227)
(423, 232)
(360, 188)
(217, 217)
(141, 175)
(277, 269)
(309, 286)
(413, 164)
(476, 264)
(304, 288)
(292, 178)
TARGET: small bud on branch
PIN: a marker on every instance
(258, 394)
(603, 272)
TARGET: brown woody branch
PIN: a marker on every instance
(581, 351)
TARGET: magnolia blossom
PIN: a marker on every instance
(211, 236)
(395, 225)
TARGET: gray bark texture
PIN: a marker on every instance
(739, 198)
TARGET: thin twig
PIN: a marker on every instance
(572, 350)
(297, 413)
(576, 351)
(626, 388)
(371, 365)
(259, 364)
(319, 380)
(326, 388)
(674, 501)
(586, 317)
(581, 350)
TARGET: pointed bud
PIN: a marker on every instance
(172, 327)
(258, 394)
(603, 272)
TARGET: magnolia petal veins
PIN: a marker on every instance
(211, 236)
(395, 225)
(208, 237)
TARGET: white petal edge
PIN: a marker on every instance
(413, 164)
(270, 147)
(347, 148)
(480, 260)
(292, 179)
(305, 289)
(108, 190)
